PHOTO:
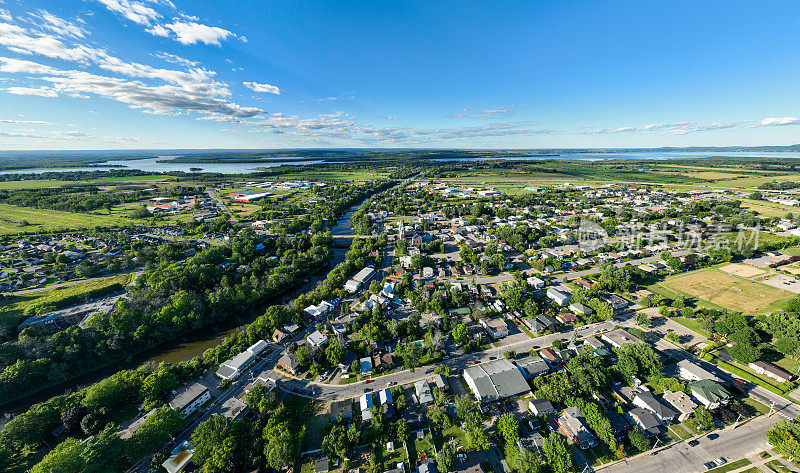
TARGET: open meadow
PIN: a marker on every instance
(15, 219)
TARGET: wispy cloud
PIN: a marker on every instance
(676, 128)
(137, 12)
(59, 26)
(486, 113)
(24, 122)
(263, 88)
(780, 121)
(35, 91)
(174, 59)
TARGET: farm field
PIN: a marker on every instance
(24, 219)
(729, 292)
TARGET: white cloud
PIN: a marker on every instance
(22, 41)
(5, 15)
(172, 58)
(59, 26)
(137, 12)
(157, 99)
(158, 30)
(191, 33)
(487, 113)
(192, 90)
(25, 122)
(265, 88)
(343, 126)
(780, 121)
(676, 128)
(36, 91)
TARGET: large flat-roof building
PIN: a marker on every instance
(495, 380)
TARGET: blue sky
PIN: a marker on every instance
(107, 74)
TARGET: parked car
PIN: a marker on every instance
(694, 443)
(720, 461)
(713, 436)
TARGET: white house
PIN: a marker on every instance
(317, 339)
(557, 296)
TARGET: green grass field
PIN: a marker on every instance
(730, 292)
(13, 220)
(13, 308)
(331, 175)
(17, 185)
(735, 465)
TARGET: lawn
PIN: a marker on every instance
(25, 219)
(691, 324)
(777, 467)
(14, 307)
(677, 432)
(731, 466)
(730, 292)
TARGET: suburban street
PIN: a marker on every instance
(733, 443)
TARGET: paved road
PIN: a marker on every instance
(213, 196)
(635, 262)
(337, 392)
(733, 443)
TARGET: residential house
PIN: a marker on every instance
(580, 309)
(560, 298)
(681, 402)
(663, 413)
(573, 424)
(341, 410)
(317, 339)
(533, 367)
(540, 407)
(289, 363)
(496, 328)
(179, 458)
(423, 391)
(188, 400)
(566, 318)
(768, 369)
(709, 393)
(617, 338)
(691, 371)
(645, 420)
(550, 357)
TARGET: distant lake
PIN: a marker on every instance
(644, 155)
(153, 165)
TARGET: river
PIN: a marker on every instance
(192, 344)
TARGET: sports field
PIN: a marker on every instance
(741, 270)
(15, 219)
(729, 292)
